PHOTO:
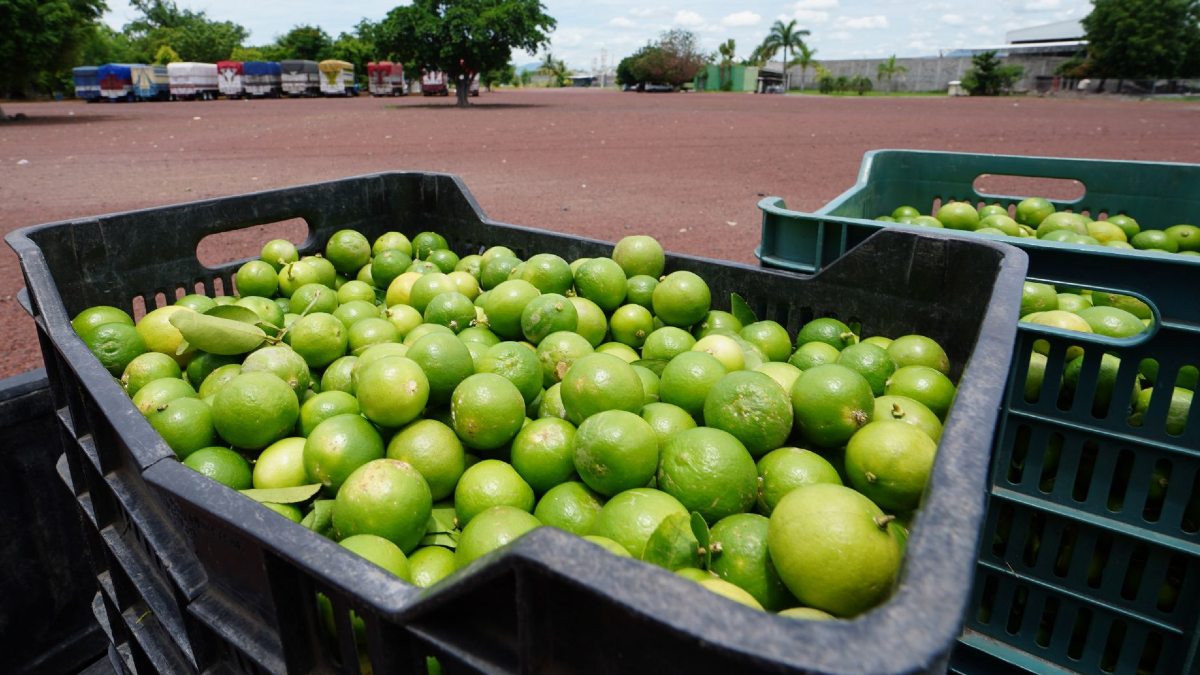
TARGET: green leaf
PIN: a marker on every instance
(320, 518)
(656, 366)
(700, 530)
(445, 539)
(291, 495)
(234, 313)
(442, 519)
(740, 309)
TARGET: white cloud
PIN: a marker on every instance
(686, 17)
(644, 12)
(621, 22)
(806, 16)
(840, 35)
(815, 4)
(1039, 5)
(953, 19)
(744, 18)
(863, 22)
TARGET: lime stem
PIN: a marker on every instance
(882, 521)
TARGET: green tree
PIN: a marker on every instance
(248, 54)
(861, 84)
(506, 75)
(304, 42)
(726, 49)
(556, 70)
(105, 45)
(40, 42)
(674, 59)
(1144, 38)
(804, 59)
(465, 37)
(758, 57)
(989, 77)
(625, 76)
(787, 37)
(192, 35)
(165, 55)
(357, 48)
(889, 69)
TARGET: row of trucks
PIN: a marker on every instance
(248, 79)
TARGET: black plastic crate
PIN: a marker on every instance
(549, 602)
(46, 586)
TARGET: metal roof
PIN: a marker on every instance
(1059, 31)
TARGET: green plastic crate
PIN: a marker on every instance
(1090, 554)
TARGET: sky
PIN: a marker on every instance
(589, 32)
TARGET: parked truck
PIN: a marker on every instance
(262, 78)
(87, 83)
(433, 83)
(300, 78)
(229, 79)
(192, 81)
(133, 82)
(337, 78)
(386, 79)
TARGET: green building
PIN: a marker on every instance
(740, 78)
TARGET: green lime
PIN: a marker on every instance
(599, 382)
(890, 462)
(369, 330)
(446, 362)
(743, 560)
(433, 449)
(753, 408)
(640, 255)
(592, 323)
(546, 314)
(384, 497)
(833, 549)
(557, 352)
(548, 272)
(319, 339)
(391, 240)
(830, 403)
(279, 252)
(785, 469)
(812, 354)
(96, 316)
(222, 465)
(392, 391)
(909, 411)
(615, 450)
(491, 530)
(631, 325)
(379, 551)
(681, 299)
(337, 447)
(185, 424)
(348, 250)
(281, 464)
(147, 367)
(687, 379)
(324, 405)
(445, 259)
(543, 453)
(254, 410)
(339, 375)
(923, 384)
(430, 564)
(639, 290)
(717, 321)
(709, 471)
(451, 309)
(486, 411)
(570, 506)
(115, 345)
(666, 343)
(490, 483)
(505, 304)
(870, 361)
(666, 420)
(770, 337)
(283, 362)
(631, 517)
(917, 350)
(828, 330)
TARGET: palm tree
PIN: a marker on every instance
(556, 69)
(758, 57)
(889, 69)
(726, 49)
(786, 37)
(804, 59)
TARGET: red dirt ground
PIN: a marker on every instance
(686, 168)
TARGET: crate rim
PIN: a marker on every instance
(956, 488)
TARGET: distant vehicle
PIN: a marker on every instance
(229, 79)
(433, 83)
(300, 78)
(657, 86)
(262, 78)
(133, 82)
(386, 79)
(474, 88)
(87, 83)
(193, 81)
(337, 78)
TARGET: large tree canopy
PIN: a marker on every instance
(674, 59)
(1144, 38)
(464, 37)
(192, 35)
(39, 39)
(304, 42)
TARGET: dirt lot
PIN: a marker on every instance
(686, 168)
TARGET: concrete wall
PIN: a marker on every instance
(926, 74)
